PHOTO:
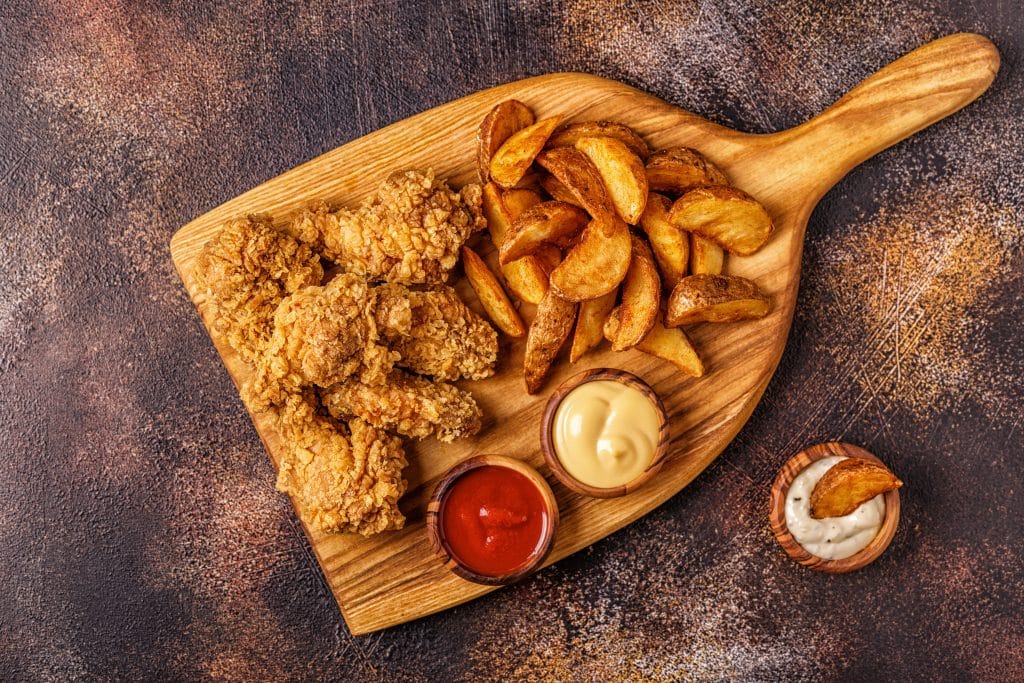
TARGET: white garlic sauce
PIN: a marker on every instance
(831, 538)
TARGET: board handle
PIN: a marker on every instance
(915, 91)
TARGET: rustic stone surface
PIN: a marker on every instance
(139, 532)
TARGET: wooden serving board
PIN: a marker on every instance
(394, 577)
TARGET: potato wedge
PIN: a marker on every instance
(513, 159)
(526, 278)
(492, 296)
(551, 222)
(641, 298)
(671, 245)
(597, 263)
(706, 257)
(557, 189)
(519, 199)
(848, 484)
(622, 172)
(549, 256)
(725, 215)
(715, 299)
(531, 182)
(579, 175)
(590, 324)
(668, 344)
(679, 169)
(551, 327)
(568, 135)
(500, 123)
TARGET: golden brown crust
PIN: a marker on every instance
(716, 299)
(444, 338)
(341, 479)
(322, 335)
(550, 328)
(264, 289)
(408, 405)
(244, 272)
(409, 231)
(849, 484)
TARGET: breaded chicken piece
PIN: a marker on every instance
(440, 336)
(409, 405)
(244, 272)
(341, 478)
(409, 231)
(323, 336)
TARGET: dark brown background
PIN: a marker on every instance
(140, 535)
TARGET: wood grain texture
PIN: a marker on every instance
(777, 511)
(393, 578)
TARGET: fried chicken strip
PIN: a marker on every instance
(341, 479)
(409, 231)
(244, 272)
(322, 336)
(439, 336)
(409, 405)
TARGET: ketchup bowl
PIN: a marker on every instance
(492, 519)
(657, 440)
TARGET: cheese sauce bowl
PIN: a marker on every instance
(657, 438)
(492, 519)
(777, 511)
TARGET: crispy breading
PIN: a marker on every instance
(409, 405)
(341, 479)
(244, 272)
(322, 335)
(409, 231)
(441, 337)
(344, 472)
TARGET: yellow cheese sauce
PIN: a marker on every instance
(605, 433)
(831, 538)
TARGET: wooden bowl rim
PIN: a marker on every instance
(777, 510)
(436, 533)
(547, 444)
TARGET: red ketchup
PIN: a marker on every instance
(493, 520)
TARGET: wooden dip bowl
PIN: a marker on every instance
(436, 534)
(547, 443)
(777, 512)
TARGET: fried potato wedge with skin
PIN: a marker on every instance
(515, 156)
(492, 296)
(550, 222)
(526, 278)
(531, 182)
(549, 256)
(706, 257)
(671, 345)
(641, 298)
(519, 199)
(725, 215)
(622, 172)
(580, 177)
(849, 484)
(715, 299)
(590, 324)
(671, 245)
(557, 189)
(551, 327)
(501, 122)
(597, 263)
(679, 169)
(568, 135)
